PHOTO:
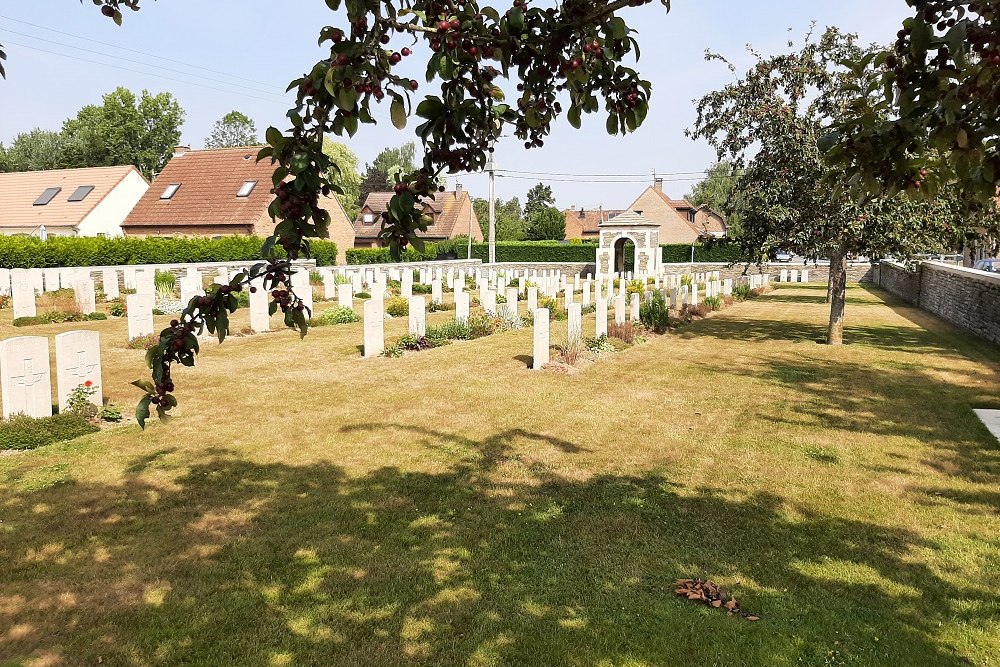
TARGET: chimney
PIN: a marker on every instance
(658, 184)
(181, 150)
(458, 190)
(583, 213)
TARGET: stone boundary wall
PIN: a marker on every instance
(856, 273)
(967, 298)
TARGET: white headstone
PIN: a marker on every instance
(406, 284)
(418, 316)
(356, 282)
(109, 283)
(633, 307)
(260, 316)
(620, 308)
(345, 295)
(532, 299)
(78, 361)
(140, 315)
(37, 280)
(794, 275)
(86, 295)
(805, 275)
(330, 286)
(540, 355)
(22, 293)
(302, 287)
(574, 326)
(693, 298)
(51, 279)
(601, 326)
(489, 299)
(437, 292)
(145, 282)
(511, 296)
(25, 381)
(190, 288)
(462, 306)
(374, 324)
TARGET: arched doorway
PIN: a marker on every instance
(624, 255)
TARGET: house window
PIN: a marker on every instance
(247, 188)
(170, 191)
(690, 216)
(368, 219)
(81, 193)
(47, 196)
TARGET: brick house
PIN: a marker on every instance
(451, 214)
(582, 224)
(220, 192)
(69, 202)
(679, 221)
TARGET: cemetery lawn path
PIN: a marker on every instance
(308, 507)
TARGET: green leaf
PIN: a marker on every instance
(515, 21)
(398, 114)
(612, 124)
(145, 385)
(142, 411)
(274, 137)
(574, 116)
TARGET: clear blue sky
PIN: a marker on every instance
(265, 45)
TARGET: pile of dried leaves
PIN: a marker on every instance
(709, 592)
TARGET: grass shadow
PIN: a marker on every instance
(240, 562)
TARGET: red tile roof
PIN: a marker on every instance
(588, 220)
(209, 181)
(446, 208)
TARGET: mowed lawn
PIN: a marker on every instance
(309, 507)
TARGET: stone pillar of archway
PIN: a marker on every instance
(644, 234)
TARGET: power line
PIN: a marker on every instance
(546, 179)
(124, 48)
(108, 55)
(135, 71)
(647, 175)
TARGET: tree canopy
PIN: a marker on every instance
(539, 197)
(510, 224)
(233, 130)
(768, 123)
(125, 129)
(344, 174)
(395, 162)
(717, 191)
(547, 224)
(36, 150)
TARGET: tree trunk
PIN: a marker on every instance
(829, 285)
(838, 296)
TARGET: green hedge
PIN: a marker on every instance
(554, 251)
(22, 432)
(19, 252)
(382, 256)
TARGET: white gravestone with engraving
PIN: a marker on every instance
(620, 308)
(540, 355)
(86, 295)
(109, 283)
(22, 292)
(462, 306)
(374, 324)
(490, 301)
(437, 293)
(140, 315)
(345, 295)
(25, 381)
(51, 279)
(601, 326)
(633, 307)
(532, 299)
(574, 323)
(78, 361)
(260, 314)
(418, 316)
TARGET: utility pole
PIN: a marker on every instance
(491, 168)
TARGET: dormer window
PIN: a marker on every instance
(81, 193)
(170, 191)
(47, 196)
(368, 219)
(690, 216)
(247, 188)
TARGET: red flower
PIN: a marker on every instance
(88, 383)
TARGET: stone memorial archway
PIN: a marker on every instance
(614, 235)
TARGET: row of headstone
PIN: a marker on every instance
(25, 376)
(793, 276)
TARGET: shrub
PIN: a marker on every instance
(383, 256)
(392, 351)
(21, 432)
(570, 353)
(687, 279)
(655, 313)
(741, 292)
(143, 342)
(164, 280)
(21, 252)
(624, 332)
(110, 413)
(397, 306)
(555, 312)
(57, 317)
(600, 344)
(713, 302)
(362, 295)
(417, 343)
(434, 307)
(339, 315)
(79, 401)
(453, 330)
(636, 286)
(117, 307)
(420, 288)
